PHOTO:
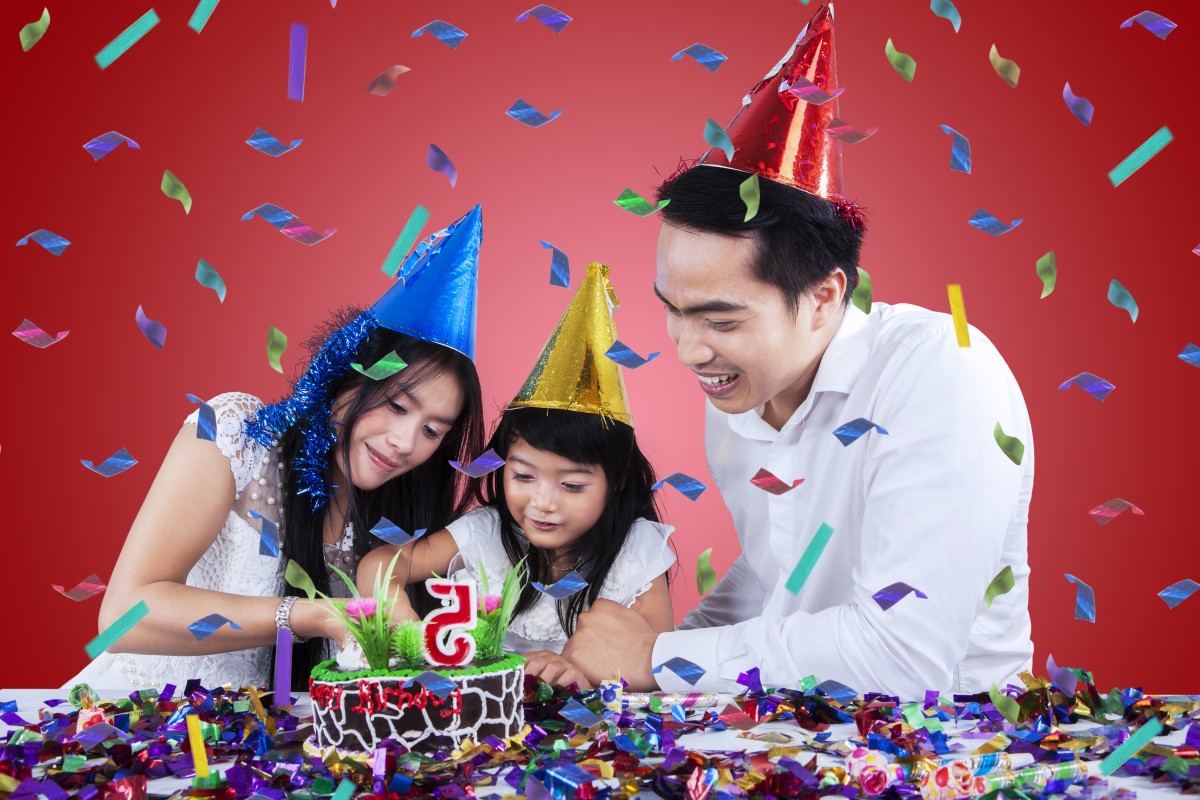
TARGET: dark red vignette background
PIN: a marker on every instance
(629, 114)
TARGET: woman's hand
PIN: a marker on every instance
(317, 618)
(554, 669)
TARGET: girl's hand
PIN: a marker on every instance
(554, 669)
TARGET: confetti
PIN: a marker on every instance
(766, 480)
(706, 576)
(1174, 594)
(1190, 354)
(809, 92)
(208, 277)
(904, 64)
(109, 636)
(1120, 297)
(296, 577)
(1008, 708)
(264, 142)
(207, 626)
(173, 188)
(1064, 679)
(404, 242)
(289, 225)
(1047, 270)
(849, 433)
(946, 10)
(959, 313)
(393, 534)
(1108, 511)
(576, 712)
(87, 588)
(1008, 70)
(128, 38)
(1003, 583)
(1011, 446)
(446, 33)
(1094, 385)
(552, 18)
(960, 151)
(716, 137)
(346, 787)
(115, 464)
(206, 420)
(297, 58)
(623, 355)
(808, 560)
(685, 669)
(31, 334)
(889, 595)
(154, 331)
(985, 222)
(569, 584)
(32, 33)
(526, 114)
(95, 735)
(105, 143)
(1138, 158)
(488, 462)
(276, 344)
(748, 190)
(438, 161)
(268, 536)
(49, 240)
(1131, 746)
(634, 203)
(204, 10)
(847, 133)
(560, 267)
(862, 292)
(704, 55)
(1157, 24)
(383, 83)
(1085, 599)
(686, 485)
(196, 745)
(385, 367)
(1081, 107)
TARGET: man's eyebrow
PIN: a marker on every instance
(712, 306)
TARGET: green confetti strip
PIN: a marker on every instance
(1120, 297)
(1047, 270)
(706, 576)
(73, 763)
(1011, 446)
(1008, 70)
(128, 38)
(1005, 704)
(208, 277)
(200, 16)
(109, 636)
(716, 136)
(1130, 747)
(32, 33)
(404, 242)
(276, 344)
(1003, 583)
(904, 64)
(750, 196)
(1138, 158)
(173, 188)
(799, 576)
(344, 790)
(862, 293)
(634, 203)
(385, 367)
(296, 576)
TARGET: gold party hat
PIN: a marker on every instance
(573, 372)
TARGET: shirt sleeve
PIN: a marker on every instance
(477, 535)
(645, 555)
(231, 410)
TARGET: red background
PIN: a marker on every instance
(629, 114)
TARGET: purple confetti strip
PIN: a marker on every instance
(297, 56)
(153, 330)
(93, 735)
(1085, 599)
(393, 534)
(960, 151)
(847, 133)
(488, 462)
(438, 161)
(264, 142)
(51, 241)
(686, 485)
(560, 267)
(283, 668)
(686, 670)
(446, 33)
(809, 92)
(439, 685)
(31, 334)
(1064, 679)
(889, 595)
(207, 626)
(569, 584)
(850, 433)
(1081, 107)
(1157, 24)
(623, 355)
(704, 55)
(1094, 385)
(580, 714)
(1176, 593)
(526, 114)
(551, 17)
(1190, 354)
(983, 221)
(268, 537)
(87, 588)
(1108, 511)
(206, 420)
(115, 464)
(105, 143)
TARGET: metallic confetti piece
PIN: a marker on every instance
(282, 687)
(1047, 270)
(581, 715)
(716, 136)
(1094, 385)
(345, 789)
(551, 17)
(268, 537)
(295, 575)
(196, 745)
(404, 242)
(960, 151)
(1138, 158)
(488, 462)
(862, 292)
(893, 593)
(115, 464)
(105, 143)
(904, 64)
(1003, 583)
(766, 480)
(748, 190)
(686, 485)
(1011, 446)
(439, 685)
(438, 161)
(1085, 599)
(109, 636)
(206, 420)
(207, 626)
(704, 55)
(706, 576)
(564, 587)
(1176, 593)
(1108, 511)
(959, 313)
(446, 33)
(849, 433)
(1190, 353)
(173, 188)
(264, 142)
(393, 534)
(287, 224)
(209, 278)
(153, 330)
(560, 267)
(204, 10)
(847, 133)
(1008, 70)
(383, 83)
(297, 58)
(385, 367)
(946, 10)
(127, 39)
(634, 203)
(1120, 297)
(1157, 24)
(1130, 747)
(276, 344)
(1064, 679)
(87, 588)
(1081, 107)
(1008, 708)
(49, 240)
(809, 92)
(685, 669)
(812, 552)
(623, 355)
(526, 114)
(32, 33)
(31, 334)
(94, 735)
(985, 222)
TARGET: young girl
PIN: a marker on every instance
(574, 494)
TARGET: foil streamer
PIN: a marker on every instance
(946, 10)
(297, 58)
(206, 420)
(704, 55)
(845, 132)
(1157, 24)
(808, 560)
(1064, 679)
(686, 670)
(383, 83)
(119, 628)
(196, 742)
(904, 64)
(1094, 385)
(749, 192)
(209, 278)
(173, 188)
(1176, 593)
(404, 242)
(446, 33)
(87, 588)
(850, 433)
(385, 367)
(1007, 707)
(716, 136)
(1011, 446)
(706, 576)
(1047, 270)
(1003, 583)
(634, 203)
(626, 357)
(1085, 599)
(959, 313)
(438, 161)
(393, 534)
(268, 537)
(1120, 297)
(115, 464)
(94, 735)
(282, 686)
(560, 267)
(207, 626)
(893, 593)
(686, 485)
(1190, 353)
(838, 692)
(32, 33)
(264, 142)
(1107, 511)
(105, 143)
(485, 463)
(809, 92)
(200, 15)
(526, 114)
(960, 151)
(1131, 746)
(581, 715)
(439, 685)
(983, 221)
(564, 587)
(289, 225)
(31, 334)
(276, 344)
(1008, 70)
(127, 39)
(154, 331)
(49, 240)
(1081, 107)
(1138, 158)
(551, 17)
(345, 790)
(862, 292)
(768, 482)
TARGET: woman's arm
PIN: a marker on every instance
(654, 605)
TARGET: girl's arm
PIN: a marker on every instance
(428, 556)
(654, 605)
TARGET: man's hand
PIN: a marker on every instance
(554, 669)
(612, 641)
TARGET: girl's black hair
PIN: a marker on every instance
(585, 439)
(428, 496)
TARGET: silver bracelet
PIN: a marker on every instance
(283, 617)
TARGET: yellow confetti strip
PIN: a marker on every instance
(1008, 71)
(196, 739)
(959, 313)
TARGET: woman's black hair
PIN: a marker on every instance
(428, 496)
(584, 439)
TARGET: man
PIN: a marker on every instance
(917, 493)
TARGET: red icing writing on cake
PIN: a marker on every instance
(374, 697)
(324, 695)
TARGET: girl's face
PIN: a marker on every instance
(554, 500)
